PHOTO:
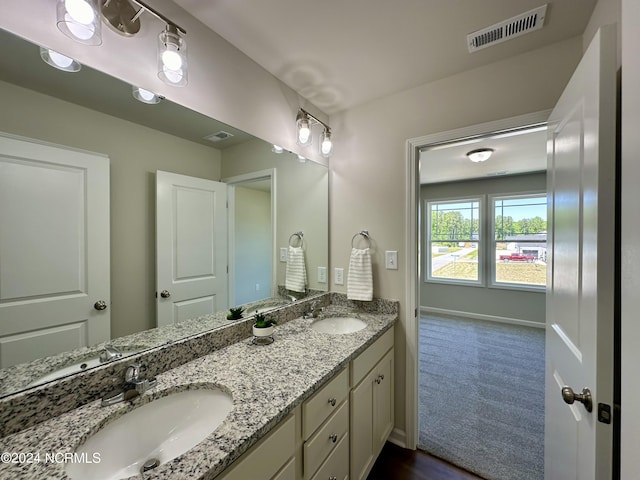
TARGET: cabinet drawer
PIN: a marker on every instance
(323, 403)
(364, 362)
(337, 465)
(266, 458)
(288, 472)
(325, 440)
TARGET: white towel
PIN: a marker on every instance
(295, 271)
(360, 278)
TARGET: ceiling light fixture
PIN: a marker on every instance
(59, 61)
(145, 96)
(304, 122)
(480, 154)
(80, 20)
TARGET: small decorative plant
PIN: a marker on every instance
(235, 313)
(263, 322)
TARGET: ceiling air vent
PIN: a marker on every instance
(507, 29)
(218, 136)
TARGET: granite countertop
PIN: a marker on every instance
(266, 382)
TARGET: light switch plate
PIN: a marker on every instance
(322, 274)
(339, 276)
(283, 254)
(391, 259)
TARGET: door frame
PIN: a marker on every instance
(232, 182)
(412, 292)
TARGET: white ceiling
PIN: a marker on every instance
(342, 53)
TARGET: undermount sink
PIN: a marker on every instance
(152, 434)
(338, 325)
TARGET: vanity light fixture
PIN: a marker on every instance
(277, 149)
(80, 20)
(59, 61)
(145, 96)
(480, 154)
(301, 159)
(304, 122)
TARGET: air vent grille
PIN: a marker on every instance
(507, 29)
(218, 136)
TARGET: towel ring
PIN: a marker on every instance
(363, 233)
(296, 234)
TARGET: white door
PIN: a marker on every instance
(54, 250)
(580, 295)
(191, 247)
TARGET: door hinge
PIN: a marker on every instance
(604, 413)
(415, 313)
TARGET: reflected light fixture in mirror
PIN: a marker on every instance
(172, 57)
(145, 96)
(480, 154)
(80, 20)
(59, 61)
(277, 149)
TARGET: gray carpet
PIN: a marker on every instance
(481, 400)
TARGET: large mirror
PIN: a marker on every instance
(276, 203)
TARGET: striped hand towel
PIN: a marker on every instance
(360, 278)
(295, 271)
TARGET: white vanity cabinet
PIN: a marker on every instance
(272, 458)
(371, 400)
(325, 431)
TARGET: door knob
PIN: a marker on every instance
(569, 396)
(100, 305)
(165, 294)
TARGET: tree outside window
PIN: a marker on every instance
(453, 240)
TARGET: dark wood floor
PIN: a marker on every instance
(395, 463)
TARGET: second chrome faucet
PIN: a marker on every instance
(134, 385)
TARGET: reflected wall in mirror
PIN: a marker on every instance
(93, 112)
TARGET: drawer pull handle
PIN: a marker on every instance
(332, 401)
(333, 477)
(379, 379)
(333, 437)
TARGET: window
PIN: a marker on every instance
(520, 240)
(453, 240)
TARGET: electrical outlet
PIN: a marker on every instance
(283, 255)
(339, 276)
(391, 259)
(322, 274)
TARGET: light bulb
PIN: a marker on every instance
(80, 11)
(326, 145)
(277, 149)
(60, 60)
(171, 58)
(303, 134)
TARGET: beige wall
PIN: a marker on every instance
(630, 461)
(135, 153)
(302, 199)
(368, 169)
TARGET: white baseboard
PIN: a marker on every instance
(398, 437)
(480, 316)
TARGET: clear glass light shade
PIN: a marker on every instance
(303, 128)
(59, 61)
(480, 155)
(172, 57)
(277, 149)
(80, 20)
(145, 96)
(326, 145)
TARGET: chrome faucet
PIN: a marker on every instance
(109, 353)
(134, 386)
(314, 312)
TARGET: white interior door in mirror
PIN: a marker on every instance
(54, 250)
(191, 237)
(580, 286)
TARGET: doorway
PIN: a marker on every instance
(482, 300)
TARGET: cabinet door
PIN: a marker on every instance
(383, 408)
(361, 431)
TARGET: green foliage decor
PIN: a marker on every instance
(263, 322)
